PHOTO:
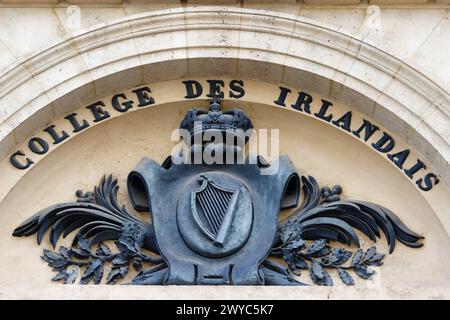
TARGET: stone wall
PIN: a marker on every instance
(386, 63)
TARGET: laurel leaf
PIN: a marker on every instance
(340, 255)
(297, 244)
(357, 257)
(84, 244)
(98, 273)
(116, 274)
(345, 277)
(364, 272)
(71, 274)
(90, 270)
(300, 263)
(103, 250)
(370, 253)
(319, 275)
(317, 270)
(317, 245)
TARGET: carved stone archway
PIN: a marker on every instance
(234, 43)
(270, 46)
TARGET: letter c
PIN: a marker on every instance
(17, 164)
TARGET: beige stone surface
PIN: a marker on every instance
(396, 2)
(29, 2)
(95, 2)
(223, 293)
(92, 60)
(321, 150)
(409, 23)
(387, 64)
(336, 3)
(331, 2)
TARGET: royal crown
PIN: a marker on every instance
(234, 122)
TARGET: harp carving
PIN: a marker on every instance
(213, 208)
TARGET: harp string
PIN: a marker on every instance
(223, 206)
(214, 204)
(224, 201)
(214, 212)
(202, 202)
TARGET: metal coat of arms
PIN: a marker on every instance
(215, 222)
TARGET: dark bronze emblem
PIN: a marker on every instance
(215, 223)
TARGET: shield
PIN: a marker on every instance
(213, 208)
(213, 224)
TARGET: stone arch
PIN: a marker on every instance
(235, 42)
(232, 42)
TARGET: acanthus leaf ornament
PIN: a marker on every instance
(215, 223)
